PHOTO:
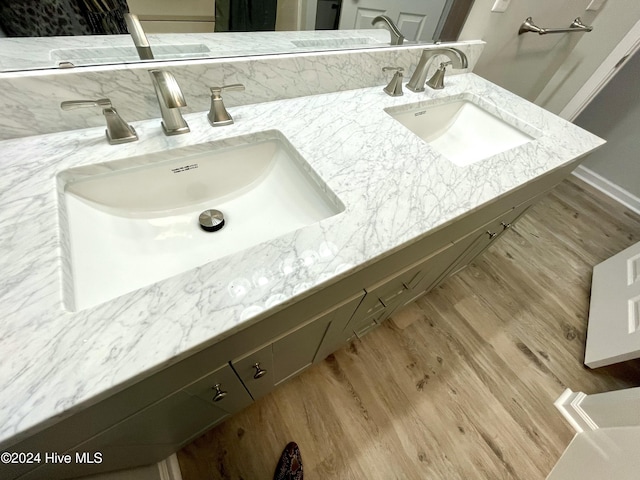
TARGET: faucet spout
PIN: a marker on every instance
(170, 99)
(139, 37)
(457, 58)
(396, 37)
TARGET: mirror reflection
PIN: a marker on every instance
(100, 23)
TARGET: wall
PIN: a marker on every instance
(615, 115)
(524, 63)
(613, 22)
(548, 69)
(167, 16)
(288, 15)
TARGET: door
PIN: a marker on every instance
(416, 19)
(613, 334)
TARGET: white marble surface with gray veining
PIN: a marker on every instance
(395, 187)
(31, 100)
(26, 53)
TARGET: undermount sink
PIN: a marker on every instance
(464, 128)
(130, 223)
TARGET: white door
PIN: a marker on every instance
(416, 19)
(613, 334)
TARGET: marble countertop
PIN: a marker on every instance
(395, 187)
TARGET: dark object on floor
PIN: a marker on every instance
(290, 464)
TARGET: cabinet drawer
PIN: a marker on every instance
(361, 326)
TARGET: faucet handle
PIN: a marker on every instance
(238, 87)
(73, 104)
(437, 80)
(394, 88)
(218, 115)
(118, 131)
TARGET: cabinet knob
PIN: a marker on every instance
(259, 371)
(492, 235)
(220, 394)
(505, 225)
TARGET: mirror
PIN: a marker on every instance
(44, 34)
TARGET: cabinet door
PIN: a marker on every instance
(384, 297)
(256, 371)
(222, 389)
(339, 318)
(435, 269)
(155, 432)
(291, 353)
(484, 237)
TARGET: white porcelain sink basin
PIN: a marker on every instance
(131, 223)
(464, 128)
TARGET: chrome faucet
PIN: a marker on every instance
(138, 36)
(396, 37)
(170, 99)
(458, 60)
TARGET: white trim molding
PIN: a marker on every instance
(609, 188)
(169, 468)
(569, 406)
(603, 74)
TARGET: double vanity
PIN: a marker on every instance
(132, 329)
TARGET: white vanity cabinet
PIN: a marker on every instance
(148, 419)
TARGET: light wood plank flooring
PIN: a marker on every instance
(458, 385)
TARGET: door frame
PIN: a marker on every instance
(629, 45)
(603, 74)
(448, 30)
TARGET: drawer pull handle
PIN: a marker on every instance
(492, 235)
(505, 225)
(220, 394)
(259, 371)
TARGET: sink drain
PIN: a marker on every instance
(211, 220)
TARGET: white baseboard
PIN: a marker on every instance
(569, 406)
(609, 188)
(169, 468)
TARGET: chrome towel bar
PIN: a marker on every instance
(576, 26)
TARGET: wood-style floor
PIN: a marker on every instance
(460, 384)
